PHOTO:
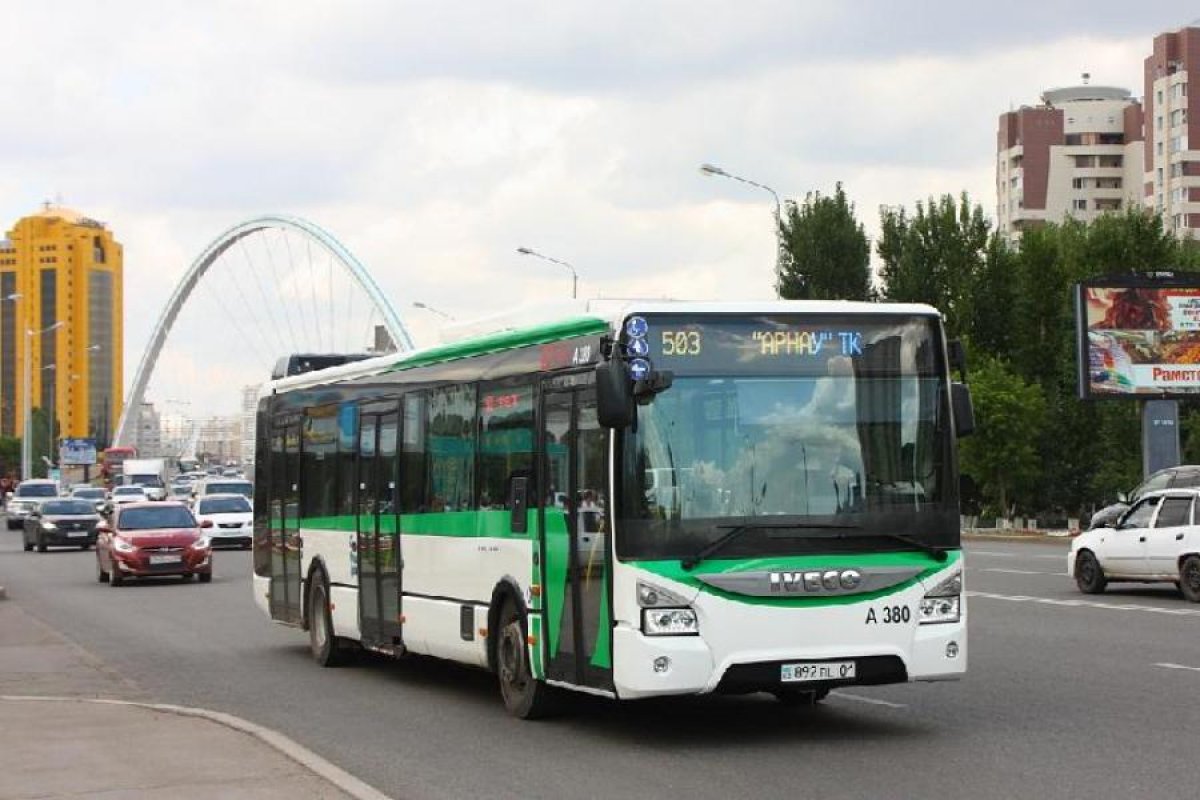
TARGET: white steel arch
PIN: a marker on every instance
(391, 320)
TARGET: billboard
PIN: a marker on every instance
(1139, 336)
(77, 452)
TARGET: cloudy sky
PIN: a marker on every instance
(433, 139)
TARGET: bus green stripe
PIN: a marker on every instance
(671, 568)
(506, 340)
(493, 524)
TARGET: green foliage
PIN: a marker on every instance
(10, 455)
(935, 256)
(1039, 447)
(1002, 455)
(827, 252)
(44, 445)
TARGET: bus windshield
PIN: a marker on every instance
(814, 434)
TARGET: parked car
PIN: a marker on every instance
(231, 516)
(61, 523)
(28, 496)
(152, 539)
(1181, 477)
(1157, 540)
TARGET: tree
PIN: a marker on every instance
(1002, 456)
(935, 256)
(828, 255)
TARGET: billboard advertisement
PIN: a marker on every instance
(77, 452)
(1139, 336)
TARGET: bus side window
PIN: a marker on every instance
(412, 456)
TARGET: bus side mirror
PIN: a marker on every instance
(964, 411)
(957, 356)
(614, 394)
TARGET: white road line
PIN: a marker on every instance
(873, 701)
(998, 554)
(1017, 571)
(1023, 598)
(1178, 666)
(1012, 571)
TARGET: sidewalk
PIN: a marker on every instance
(71, 727)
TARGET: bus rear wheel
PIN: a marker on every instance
(524, 696)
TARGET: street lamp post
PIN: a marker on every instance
(427, 307)
(710, 169)
(26, 400)
(525, 251)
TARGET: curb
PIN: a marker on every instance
(335, 775)
(1037, 538)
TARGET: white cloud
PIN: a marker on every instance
(435, 142)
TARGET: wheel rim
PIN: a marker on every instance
(512, 660)
(320, 634)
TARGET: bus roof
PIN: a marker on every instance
(587, 323)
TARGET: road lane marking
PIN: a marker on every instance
(999, 554)
(872, 700)
(1178, 666)
(1018, 571)
(1024, 598)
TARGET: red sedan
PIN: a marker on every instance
(151, 539)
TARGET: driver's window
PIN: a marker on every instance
(1139, 516)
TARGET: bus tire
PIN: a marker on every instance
(1089, 577)
(524, 696)
(796, 698)
(326, 649)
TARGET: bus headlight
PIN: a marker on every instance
(942, 603)
(669, 622)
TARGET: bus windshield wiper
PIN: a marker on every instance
(939, 553)
(737, 529)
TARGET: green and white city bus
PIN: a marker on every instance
(681, 498)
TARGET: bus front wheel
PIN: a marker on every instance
(326, 650)
(524, 696)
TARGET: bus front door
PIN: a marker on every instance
(379, 561)
(285, 596)
(573, 485)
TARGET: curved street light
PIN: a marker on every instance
(427, 307)
(712, 169)
(525, 251)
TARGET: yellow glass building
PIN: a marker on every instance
(60, 266)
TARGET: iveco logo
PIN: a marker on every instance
(815, 581)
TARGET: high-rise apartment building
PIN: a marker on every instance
(1077, 154)
(1172, 169)
(58, 266)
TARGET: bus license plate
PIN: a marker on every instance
(816, 671)
(164, 559)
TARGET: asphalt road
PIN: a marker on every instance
(1068, 696)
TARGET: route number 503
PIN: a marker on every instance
(681, 343)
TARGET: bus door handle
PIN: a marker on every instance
(1141, 538)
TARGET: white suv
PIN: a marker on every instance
(29, 495)
(1156, 540)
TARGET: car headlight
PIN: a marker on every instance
(47, 525)
(942, 603)
(670, 622)
(202, 543)
(123, 546)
